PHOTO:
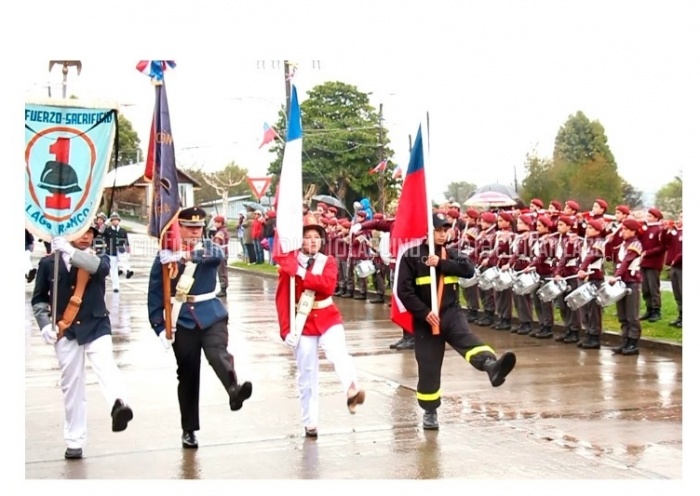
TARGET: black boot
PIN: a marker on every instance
(430, 420)
(189, 440)
(533, 333)
(31, 275)
(360, 296)
(572, 337)
(592, 342)
(347, 294)
(222, 293)
(486, 321)
(499, 369)
(646, 315)
(121, 415)
(545, 332)
(631, 347)
(655, 315)
(623, 344)
(73, 453)
(678, 323)
(562, 337)
(503, 325)
(408, 344)
(472, 315)
(339, 292)
(238, 393)
(394, 345)
(377, 299)
(525, 329)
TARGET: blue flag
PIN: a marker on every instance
(161, 170)
(68, 146)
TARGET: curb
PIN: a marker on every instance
(608, 338)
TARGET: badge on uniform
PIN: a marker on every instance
(651, 235)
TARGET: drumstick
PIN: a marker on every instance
(441, 285)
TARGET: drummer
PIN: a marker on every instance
(484, 247)
(593, 255)
(543, 263)
(519, 260)
(471, 232)
(629, 258)
(568, 251)
(499, 258)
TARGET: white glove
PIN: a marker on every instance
(167, 343)
(355, 228)
(60, 243)
(49, 333)
(291, 340)
(167, 256)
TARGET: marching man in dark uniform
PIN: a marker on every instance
(629, 258)
(519, 260)
(653, 238)
(568, 252)
(117, 241)
(201, 320)
(544, 257)
(414, 291)
(593, 256)
(499, 258)
(613, 239)
(86, 331)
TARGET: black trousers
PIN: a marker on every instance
(188, 346)
(430, 351)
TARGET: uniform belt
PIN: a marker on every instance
(572, 263)
(322, 303)
(198, 298)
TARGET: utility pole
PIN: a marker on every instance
(66, 64)
(382, 193)
(410, 144)
(515, 179)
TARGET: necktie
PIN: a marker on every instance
(310, 263)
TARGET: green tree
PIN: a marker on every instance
(460, 191)
(669, 198)
(631, 196)
(583, 166)
(129, 143)
(343, 141)
(539, 181)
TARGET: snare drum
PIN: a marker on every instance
(468, 283)
(365, 268)
(581, 296)
(611, 293)
(503, 281)
(551, 290)
(487, 278)
(526, 283)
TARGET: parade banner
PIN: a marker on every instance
(68, 146)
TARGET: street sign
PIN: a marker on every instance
(259, 185)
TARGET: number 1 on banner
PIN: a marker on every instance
(61, 150)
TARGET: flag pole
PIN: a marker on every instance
(429, 209)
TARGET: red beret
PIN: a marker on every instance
(596, 224)
(473, 213)
(566, 219)
(333, 221)
(453, 213)
(506, 216)
(322, 205)
(333, 209)
(344, 223)
(623, 208)
(271, 214)
(573, 205)
(489, 217)
(555, 204)
(537, 202)
(378, 216)
(544, 220)
(631, 224)
(603, 204)
(219, 218)
(526, 219)
(656, 213)
(361, 213)
(323, 220)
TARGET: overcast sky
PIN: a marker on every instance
(498, 79)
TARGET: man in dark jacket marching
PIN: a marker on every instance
(432, 331)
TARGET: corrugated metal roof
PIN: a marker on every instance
(128, 175)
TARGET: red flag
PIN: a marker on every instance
(269, 135)
(410, 227)
(379, 168)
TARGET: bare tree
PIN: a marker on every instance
(223, 181)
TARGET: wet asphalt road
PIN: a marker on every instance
(562, 413)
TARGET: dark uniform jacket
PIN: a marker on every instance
(544, 254)
(28, 240)
(628, 261)
(674, 255)
(414, 280)
(92, 320)
(116, 240)
(568, 253)
(522, 252)
(593, 255)
(653, 239)
(201, 314)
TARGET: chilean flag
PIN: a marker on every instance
(290, 196)
(154, 68)
(397, 172)
(269, 135)
(381, 166)
(411, 225)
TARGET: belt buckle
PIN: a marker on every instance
(181, 297)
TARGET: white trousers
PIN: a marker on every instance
(306, 354)
(115, 262)
(71, 359)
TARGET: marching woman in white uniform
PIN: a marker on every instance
(315, 279)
